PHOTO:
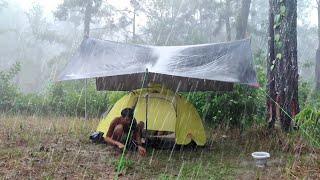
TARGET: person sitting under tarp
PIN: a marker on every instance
(119, 131)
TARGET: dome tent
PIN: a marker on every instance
(167, 111)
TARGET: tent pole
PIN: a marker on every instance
(85, 100)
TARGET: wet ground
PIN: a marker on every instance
(59, 148)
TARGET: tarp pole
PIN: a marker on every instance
(85, 100)
(147, 99)
(207, 105)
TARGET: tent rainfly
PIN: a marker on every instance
(122, 67)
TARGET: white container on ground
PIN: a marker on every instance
(260, 158)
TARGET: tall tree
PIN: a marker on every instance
(282, 69)
(135, 5)
(127, 21)
(227, 19)
(317, 70)
(87, 18)
(71, 9)
(176, 22)
(242, 19)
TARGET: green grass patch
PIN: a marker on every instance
(57, 148)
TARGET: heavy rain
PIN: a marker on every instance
(159, 89)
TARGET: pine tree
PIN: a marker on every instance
(282, 66)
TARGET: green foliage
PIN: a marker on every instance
(124, 164)
(309, 123)
(68, 98)
(242, 107)
(29, 104)
(8, 91)
(277, 18)
(277, 37)
(272, 67)
(282, 10)
(178, 19)
(61, 99)
(164, 176)
(306, 95)
(308, 118)
(279, 56)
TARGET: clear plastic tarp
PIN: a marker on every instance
(120, 66)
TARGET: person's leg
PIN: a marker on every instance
(137, 133)
(117, 133)
(140, 127)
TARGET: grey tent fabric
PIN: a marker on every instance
(119, 66)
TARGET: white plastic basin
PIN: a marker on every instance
(261, 158)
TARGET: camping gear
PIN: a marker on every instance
(122, 67)
(167, 111)
(260, 158)
(97, 137)
(125, 67)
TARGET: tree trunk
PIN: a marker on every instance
(282, 63)
(228, 28)
(317, 70)
(87, 18)
(242, 19)
(270, 73)
(317, 73)
(134, 25)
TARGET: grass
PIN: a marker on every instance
(59, 147)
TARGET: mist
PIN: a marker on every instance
(43, 45)
(159, 89)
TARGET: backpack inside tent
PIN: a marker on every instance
(166, 111)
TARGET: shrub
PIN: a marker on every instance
(8, 91)
(242, 107)
(305, 93)
(68, 98)
(308, 121)
(60, 99)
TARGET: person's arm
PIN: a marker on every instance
(108, 138)
(142, 151)
(137, 138)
